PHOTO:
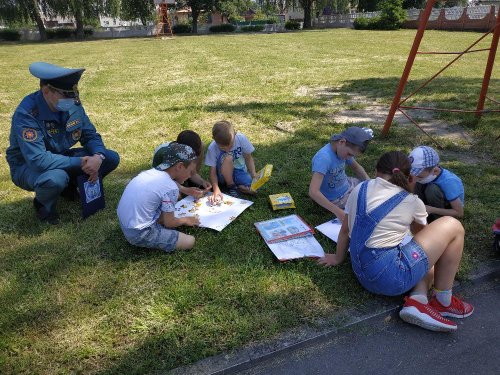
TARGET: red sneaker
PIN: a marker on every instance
(425, 316)
(457, 308)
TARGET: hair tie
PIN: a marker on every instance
(394, 170)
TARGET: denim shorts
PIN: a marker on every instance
(240, 176)
(153, 237)
(391, 271)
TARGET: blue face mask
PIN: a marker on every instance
(65, 105)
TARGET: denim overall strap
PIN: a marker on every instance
(381, 211)
(365, 222)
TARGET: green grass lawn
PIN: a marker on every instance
(77, 298)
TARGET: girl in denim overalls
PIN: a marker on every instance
(379, 213)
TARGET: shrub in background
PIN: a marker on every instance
(363, 23)
(252, 28)
(67, 32)
(182, 28)
(60, 33)
(223, 28)
(10, 34)
(392, 15)
(292, 25)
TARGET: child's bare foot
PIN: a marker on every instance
(246, 190)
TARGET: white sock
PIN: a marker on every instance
(422, 298)
(443, 296)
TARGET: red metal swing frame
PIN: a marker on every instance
(397, 103)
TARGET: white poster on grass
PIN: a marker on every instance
(214, 216)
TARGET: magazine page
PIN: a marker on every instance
(283, 228)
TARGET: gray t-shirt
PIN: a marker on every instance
(241, 146)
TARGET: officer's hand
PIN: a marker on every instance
(93, 178)
(91, 164)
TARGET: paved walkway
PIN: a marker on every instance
(390, 346)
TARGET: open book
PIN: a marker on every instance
(283, 228)
(290, 237)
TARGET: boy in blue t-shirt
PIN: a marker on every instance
(330, 187)
(441, 190)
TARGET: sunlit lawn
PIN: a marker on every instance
(76, 298)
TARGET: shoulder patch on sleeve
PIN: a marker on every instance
(30, 135)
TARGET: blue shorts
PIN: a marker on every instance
(153, 237)
(391, 271)
(240, 176)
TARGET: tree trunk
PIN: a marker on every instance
(79, 24)
(36, 16)
(195, 13)
(307, 15)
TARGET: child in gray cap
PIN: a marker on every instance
(330, 187)
(147, 206)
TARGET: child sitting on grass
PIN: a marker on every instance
(379, 214)
(196, 186)
(441, 190)
(330, 187)
(146, 208)
(229, 157)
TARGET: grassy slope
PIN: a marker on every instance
(78, 298)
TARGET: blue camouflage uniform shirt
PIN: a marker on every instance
(40, 137)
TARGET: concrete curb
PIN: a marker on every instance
(377, 310)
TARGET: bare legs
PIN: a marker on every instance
(443, 242)
(184, 242)
(227, 169)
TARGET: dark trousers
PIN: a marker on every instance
(433, 196)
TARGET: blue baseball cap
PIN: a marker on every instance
(422, 157)
(64, 79)
(355, 135)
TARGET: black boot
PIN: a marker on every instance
(43, 215)
(70, 192)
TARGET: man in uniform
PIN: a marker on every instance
(45, 126)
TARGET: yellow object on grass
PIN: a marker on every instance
(262, 177)
(281, 201)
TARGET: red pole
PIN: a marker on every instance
(409, 63)
(489, 67)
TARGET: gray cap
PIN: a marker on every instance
(355, 135)
(171, 153)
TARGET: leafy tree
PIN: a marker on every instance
(450, 3)
(25, 11)
(368, 5)
(137, 9)
(392, 14)
(418, 4)
(233, 9)
(84, 11)
(197, 7)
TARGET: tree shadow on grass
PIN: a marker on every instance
(228, 276)
(259, 110)
(443, 92)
